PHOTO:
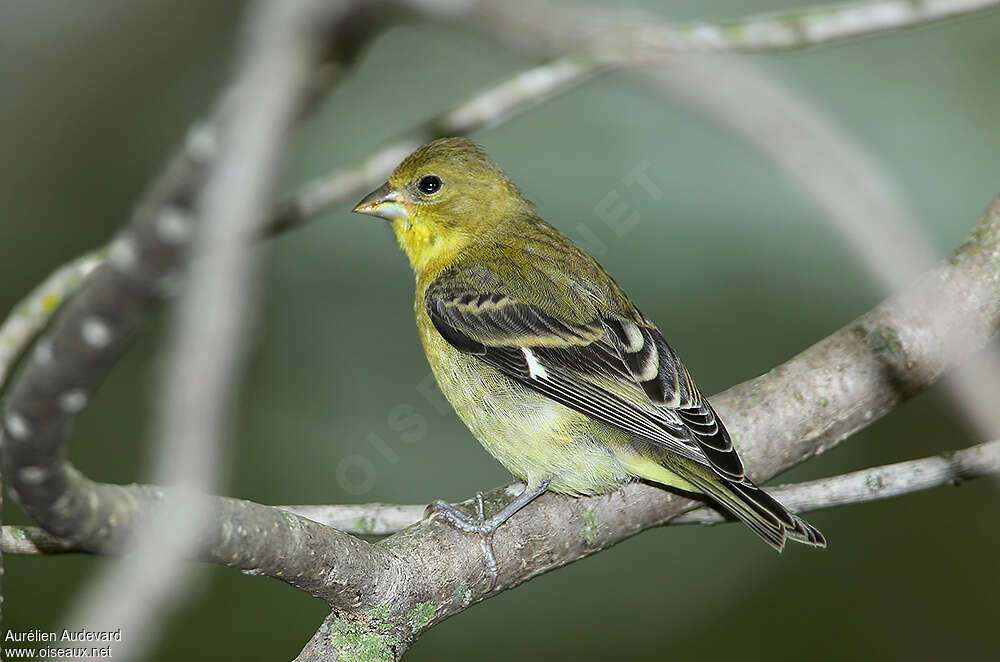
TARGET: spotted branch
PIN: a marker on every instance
(143, 266)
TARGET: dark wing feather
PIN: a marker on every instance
(616, 369)
(658, 369)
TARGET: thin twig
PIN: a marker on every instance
(876, 483)
(873, 484)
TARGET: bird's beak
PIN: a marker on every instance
(384, 202)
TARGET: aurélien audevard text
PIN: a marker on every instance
(81, 635)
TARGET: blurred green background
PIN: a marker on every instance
(95, 94)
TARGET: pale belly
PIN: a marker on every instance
(534, 437)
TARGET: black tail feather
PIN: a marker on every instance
(758, 510)
(793, 527)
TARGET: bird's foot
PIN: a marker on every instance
(477, 523)
(485, 526)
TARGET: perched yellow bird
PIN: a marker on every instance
(544, 357)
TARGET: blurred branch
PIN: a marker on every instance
(26, 320)
(823, 25)
(854, 192)
(555, 26)
(256, 539)
(599, 42)
(203, 358)
(489, 107)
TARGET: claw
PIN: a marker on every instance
(491, 560)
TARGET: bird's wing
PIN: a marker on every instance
(616, 368)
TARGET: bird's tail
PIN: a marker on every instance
(757, 509)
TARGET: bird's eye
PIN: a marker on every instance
(429, 184)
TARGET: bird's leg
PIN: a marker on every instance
(484, 526)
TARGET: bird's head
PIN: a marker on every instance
(441, 197)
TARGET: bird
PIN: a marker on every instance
(545, 358)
